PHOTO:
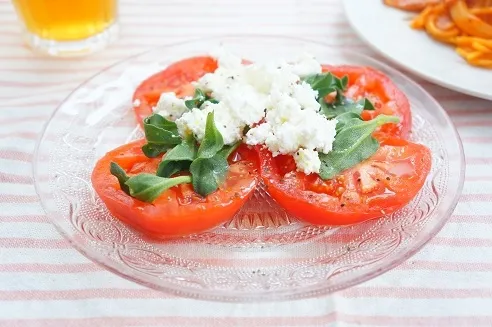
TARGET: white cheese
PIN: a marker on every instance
(218, 82)
(306, 65)
(169, 106)
(226, 59)
(285, 139)
(245, 104)
(258, 77)
(260, 134)
(283, 78)
(271, 93)
(226, 121)
(291, 128)
(193, 122)
(306, 96)
(307, 161)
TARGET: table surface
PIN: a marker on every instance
(45, 282)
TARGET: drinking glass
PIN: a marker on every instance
(68, 27)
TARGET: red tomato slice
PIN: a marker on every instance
(176, 78)
(365, 82)
(179, 210)
(380, 185)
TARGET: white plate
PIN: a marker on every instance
(387, 30)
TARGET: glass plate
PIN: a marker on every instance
(262, 253)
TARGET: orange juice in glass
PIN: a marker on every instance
(68, 27)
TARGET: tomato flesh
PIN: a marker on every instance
(377, 186)
(176, 78)
(179, 210)
(365, 82)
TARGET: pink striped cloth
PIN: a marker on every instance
(45, 282)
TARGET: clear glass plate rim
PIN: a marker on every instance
(305, 292)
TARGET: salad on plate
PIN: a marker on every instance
(330, 143)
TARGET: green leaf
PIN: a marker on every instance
(173, 167)
(186, 150)
(178, 159)
(344, 118)
(331, 111)
(147, 187)
(119, 173)
(227, 150)
(208, 173)
(338, 83)
(212, 100)
(323, 83)
(212, 141)
(158, 135)
(340, 98)
(154, 150)
(366, 104)
(198, 99)
(161, 122)
(327, 83)
(161, 135)
(344, 82)
(334, 163)
(353, 144)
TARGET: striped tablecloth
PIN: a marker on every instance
(45, 282)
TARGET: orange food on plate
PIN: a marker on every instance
(179, 210)
(411, 5)
(382, 184)
(465, 24)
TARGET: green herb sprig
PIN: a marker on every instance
(199, 99)
(353, 142)
(161, 135)
(206, 163)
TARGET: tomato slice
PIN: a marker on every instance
(176, 78)
(365, 82)
(179, 210)
(377, 186)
